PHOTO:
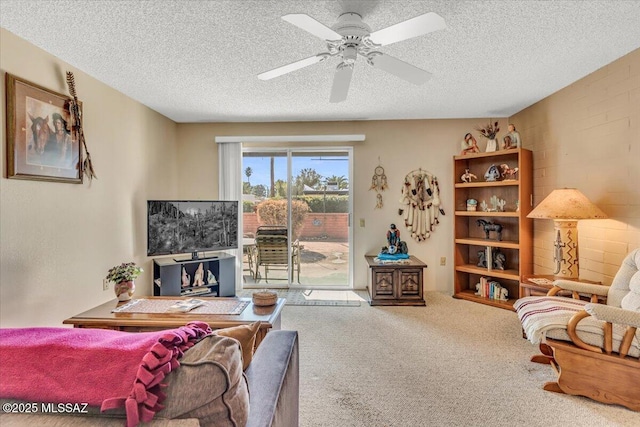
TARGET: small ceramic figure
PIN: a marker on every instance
(467, 176)
(499, 259)
(488, 226)
(469, 145)
(186, 279)
(211, 279)
(507, 173)
(492, 174)
(514, 137)
(482, 258)
(394, 244)
(393, 236)
(198, 276)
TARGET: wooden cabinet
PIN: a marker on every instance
(396, 283)
(167, 276)
(470, 241)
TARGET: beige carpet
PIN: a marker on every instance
(452, 363)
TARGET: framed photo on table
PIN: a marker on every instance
(41, 144)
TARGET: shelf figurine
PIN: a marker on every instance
(211, 279)
(467, 176)
(492, 174)
(198, 276)
(507, 173)
(489, 226)
(186, 279)
(514, 140)
(469, 145)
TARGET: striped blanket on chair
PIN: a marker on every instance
(539, 315)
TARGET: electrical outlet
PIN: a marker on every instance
(105, 285)
(361, 222)
(443, 260)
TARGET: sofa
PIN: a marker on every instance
(210, 388)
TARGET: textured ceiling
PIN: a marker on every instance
(197, 61)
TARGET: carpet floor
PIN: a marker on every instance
(451, 363)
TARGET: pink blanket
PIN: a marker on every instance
(100, 367)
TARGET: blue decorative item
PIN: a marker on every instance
(492, 174)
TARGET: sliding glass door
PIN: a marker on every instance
(305, 195)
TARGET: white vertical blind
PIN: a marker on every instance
(230, 188)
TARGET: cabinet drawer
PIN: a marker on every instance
(410, 283)
(383, 283)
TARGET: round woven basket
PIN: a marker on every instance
(264, 298)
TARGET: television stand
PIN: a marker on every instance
(168, 276)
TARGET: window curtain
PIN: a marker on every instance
(230, 188)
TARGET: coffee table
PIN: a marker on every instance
(101, 317)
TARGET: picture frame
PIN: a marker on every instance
(41, 142)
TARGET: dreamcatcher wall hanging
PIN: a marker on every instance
(378, 183)
(420, 203)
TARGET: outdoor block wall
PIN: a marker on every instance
(587, 136)
(330, 226)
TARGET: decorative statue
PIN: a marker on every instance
(514, 138)
(394, 244)
(186, 279)
(198, 277)
(507, 173)
(482, 258)
(499, 259)
(211, 279)
(467, 176)
(469, 145)
(492, 174)
(490, 226)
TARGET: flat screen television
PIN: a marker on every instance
(188, 226)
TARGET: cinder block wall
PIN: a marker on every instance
(587, 136)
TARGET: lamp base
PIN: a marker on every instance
(565, 255)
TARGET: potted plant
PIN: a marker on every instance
(123, 276)
(490, 131)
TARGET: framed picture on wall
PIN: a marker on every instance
(41, 144)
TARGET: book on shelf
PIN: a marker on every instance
(491, 289)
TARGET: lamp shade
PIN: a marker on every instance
(566, 204)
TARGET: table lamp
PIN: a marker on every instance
(565, 207)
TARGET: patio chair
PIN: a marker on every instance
(594, 348)
(272, 251)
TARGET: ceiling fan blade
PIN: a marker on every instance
(413, 27)
(341, 82)
(312, 26)
(400, 68)
(268, 75)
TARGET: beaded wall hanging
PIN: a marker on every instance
(420, 203)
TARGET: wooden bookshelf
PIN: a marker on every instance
(517, 229)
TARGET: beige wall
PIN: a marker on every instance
(401, 146)
(58, 240)
(587, 136)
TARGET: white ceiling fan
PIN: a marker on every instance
(351, 37)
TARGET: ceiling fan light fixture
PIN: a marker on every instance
(349, 54)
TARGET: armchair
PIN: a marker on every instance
(593, 347)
